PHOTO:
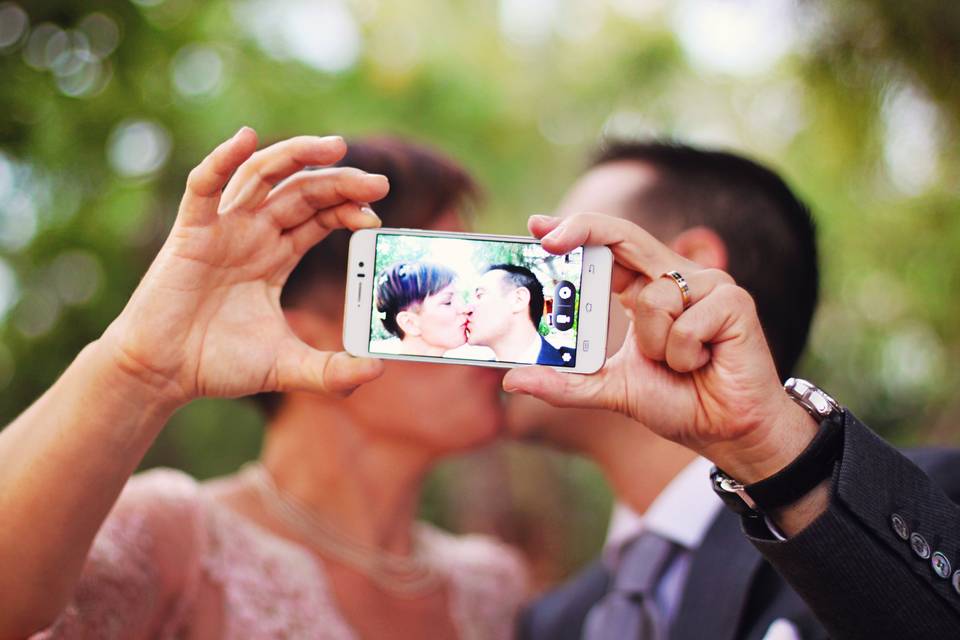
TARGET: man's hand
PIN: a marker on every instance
(206, 318)
(703, 377)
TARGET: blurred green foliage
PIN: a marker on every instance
(105, 105)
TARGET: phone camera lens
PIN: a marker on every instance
(361, 265)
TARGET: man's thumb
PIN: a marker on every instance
(553, 387)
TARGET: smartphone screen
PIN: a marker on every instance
(474, 299)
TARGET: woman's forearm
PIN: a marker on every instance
(63, 463)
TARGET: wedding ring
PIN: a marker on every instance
(682, 285)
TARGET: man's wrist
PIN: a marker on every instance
(769, 448)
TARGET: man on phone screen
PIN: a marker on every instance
(505, 312)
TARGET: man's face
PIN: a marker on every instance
(489, 315)
(610, 189)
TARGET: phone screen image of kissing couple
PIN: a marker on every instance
(471, 299)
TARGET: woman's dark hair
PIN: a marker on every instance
(424, 185)
(406, 284)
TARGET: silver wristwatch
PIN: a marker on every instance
(806, 471)
(817, 402)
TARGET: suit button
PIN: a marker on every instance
(900, 526)
(941, 566)
(920, 546)
(956, 581)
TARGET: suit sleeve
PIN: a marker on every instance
(866, 565)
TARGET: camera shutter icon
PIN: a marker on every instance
(564, 297)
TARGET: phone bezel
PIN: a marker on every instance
(594, 295)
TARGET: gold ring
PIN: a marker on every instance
(683, 286)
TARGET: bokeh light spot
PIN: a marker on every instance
(321, 33)
(46, 38)
(102, 32)
(737, 37)
(18, 221)
(77, 276)
(13, 25)
(197, 71)
(138, 148)
(911, 147)
(36, 313)
(8, 288)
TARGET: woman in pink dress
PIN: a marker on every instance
(319, 538)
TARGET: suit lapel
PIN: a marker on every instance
(716, 588)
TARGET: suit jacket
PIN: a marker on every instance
(853, 566)
(730, 593)
(733, 593)
(549, 354)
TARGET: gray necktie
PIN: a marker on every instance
(629, 611)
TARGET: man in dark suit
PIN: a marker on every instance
(725, 212)
(504, 314)
(864, 537)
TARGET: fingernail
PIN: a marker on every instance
(379, 177)
(370, 212)
(542, 217)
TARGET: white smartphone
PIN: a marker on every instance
(468, 298)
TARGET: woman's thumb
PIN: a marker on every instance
(328, 372)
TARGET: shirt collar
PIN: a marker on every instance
(682, 513)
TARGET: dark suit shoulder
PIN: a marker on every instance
(559, 614)
(549, 354)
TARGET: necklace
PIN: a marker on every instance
(404, 576)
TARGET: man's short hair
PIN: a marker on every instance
(517, 276)
(770, 236)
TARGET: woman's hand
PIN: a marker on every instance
(206, 318)
(702, 376)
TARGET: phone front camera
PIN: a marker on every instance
(361, 265)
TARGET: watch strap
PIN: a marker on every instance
(807, 470)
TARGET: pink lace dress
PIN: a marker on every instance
(271, 587)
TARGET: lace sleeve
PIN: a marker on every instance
(143, 567)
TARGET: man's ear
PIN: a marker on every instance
(409, 322)
(520, 300)
(703, 245)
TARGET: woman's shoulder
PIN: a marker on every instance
(163, 483)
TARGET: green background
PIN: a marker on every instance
(106, 105)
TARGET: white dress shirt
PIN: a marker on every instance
(532, 352)
(682, 513)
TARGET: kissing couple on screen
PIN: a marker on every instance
(422, 308)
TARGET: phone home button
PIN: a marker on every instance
(588, 307)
